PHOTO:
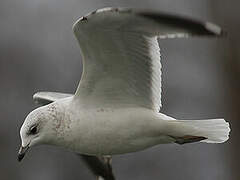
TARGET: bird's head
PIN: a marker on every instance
(34, 130)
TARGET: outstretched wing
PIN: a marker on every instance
(121, 55)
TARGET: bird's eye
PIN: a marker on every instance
(33, 130)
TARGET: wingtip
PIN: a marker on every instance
(197, 27)
(215, 29)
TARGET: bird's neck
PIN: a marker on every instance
(58, 121)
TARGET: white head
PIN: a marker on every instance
(36, 129)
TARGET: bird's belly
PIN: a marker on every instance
(126, 133)
(110, 146)
(105, 145)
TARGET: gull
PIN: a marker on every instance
(116, 107)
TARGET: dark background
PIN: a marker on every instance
(201, 79)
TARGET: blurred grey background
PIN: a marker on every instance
(201, 79)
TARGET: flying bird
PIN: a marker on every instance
(116, 107)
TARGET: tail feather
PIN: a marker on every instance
(209, 131)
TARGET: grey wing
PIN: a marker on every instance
(121, 55)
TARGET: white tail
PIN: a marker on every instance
(212, 130)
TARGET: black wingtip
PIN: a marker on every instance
(195, 27)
